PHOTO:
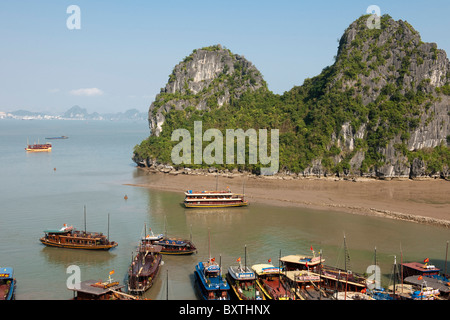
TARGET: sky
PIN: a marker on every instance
(124, 51)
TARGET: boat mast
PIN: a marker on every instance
(446, 253)
(375, 263)
(108, 227)
(209, 245)
(395, 273)
(167, 291)
(85, 219)
(347, 256)
(245, 258)
(401, 266)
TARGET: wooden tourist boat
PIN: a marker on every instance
(306, 285)
(242, 281)
(144, 268)
(98, 290)
(68, 237)
(418, 268)
(174, 246)
(270, 280)
(7, 284)
(302, 262)
(213, 199)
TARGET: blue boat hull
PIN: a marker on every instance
(212, 292)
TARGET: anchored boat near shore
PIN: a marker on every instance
(213, 199)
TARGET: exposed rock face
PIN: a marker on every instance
(392, 59)
(207, 78)
(386, 97)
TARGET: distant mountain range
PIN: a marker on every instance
(76, 113)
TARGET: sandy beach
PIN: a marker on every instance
(423, 201)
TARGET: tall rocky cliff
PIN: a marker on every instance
(381, 110)
(387, 68)
(207, 78)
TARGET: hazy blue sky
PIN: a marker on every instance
(125, 50)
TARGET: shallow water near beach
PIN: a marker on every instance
(93, 168)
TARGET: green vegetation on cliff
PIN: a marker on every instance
(373, 87)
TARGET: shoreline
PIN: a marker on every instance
(423, 201)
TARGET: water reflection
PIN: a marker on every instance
(66, 257)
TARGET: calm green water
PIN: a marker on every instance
(92, 168)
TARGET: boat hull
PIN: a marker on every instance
(138, 284)
(7, 284)
(203, 291)
(75, 246)
(250, 296)
(226, 205)
(176, 252)
(38, 150)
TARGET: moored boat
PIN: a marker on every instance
(144, 268)
(213, 199)
(100, 290)
(7, 284)
(174, 246)
(68, 237)
(242, 281)
(270, 280)
(210, 282)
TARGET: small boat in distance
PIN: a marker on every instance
(53, 138)
(7, 284)
(39, 147)
(213, 199)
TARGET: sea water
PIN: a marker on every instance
(92, 170)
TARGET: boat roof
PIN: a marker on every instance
(56, 231)
(421, 267)
(190, 192)
(96, 287)
(302, 259)
(153, 237)
(6, 273)
(241, 273)
(150, 248)
(265, 268)
(302, 276)
(429, 282)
